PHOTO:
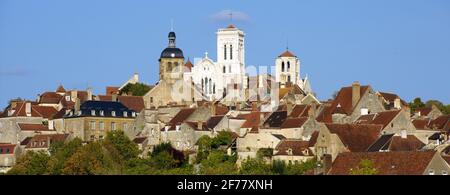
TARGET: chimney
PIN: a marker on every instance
(254, 107)
(356, 93)
(28, 108)
(114, 97)
(199, 125)
(73, 95)
(89, 93)
(77, 105)
(135, 78)
(312, 110)
(403, 134)
(38, 97)
(397, 103)
(213, 109)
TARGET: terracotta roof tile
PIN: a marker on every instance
(50, 98)
(252, 119)
(294, 122)
(7, 148)
(287, 53)
(380, 118)
(112, 90)
(421, 123)
(386, 163)
(300, 111)
(441, 123)
(33, 127)
(213, 121)
(45, 140)
(276, 119)
(423, 111)
(356, 137)
(61, 89)
(297, 147)
(410, 143)
(344, 100)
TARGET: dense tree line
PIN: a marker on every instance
(117, 155)
(417, 103)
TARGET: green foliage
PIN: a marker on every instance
(301, 168)
(255, 166)
(138, 89)
(223, 138)
(264, 153)
(60, 152)
(119, 141)
(365, 167)
(31, 163)
(218, 163)
(417, 103)
(91, 159)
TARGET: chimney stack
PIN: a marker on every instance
(114, 97)
(397, 103)
(28, 108)
(199, 125)
(89, 93)
(73, 95)
(403, 134)
(213, 108)
(356, 93)
(77, 105)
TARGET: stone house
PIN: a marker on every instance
(432, 112)
(8, 154)
(393, 121)
(294, 151)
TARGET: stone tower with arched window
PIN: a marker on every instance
(171, 62)
(287, 69)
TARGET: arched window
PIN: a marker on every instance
(169, 66)
(229, 68)
(224, 69)
(224, 92)
(231, 52)
(289, 79)
(203, 85)
(210, 86)
(206, 85)
(214, 88)
(225, 52)
(282, 66)
(288, 66)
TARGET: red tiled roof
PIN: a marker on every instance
(252, 120)
(139, 140)
(421, 123)
(410, 143)
(423, 111)
(194, 125)
(7, 148)
(44, 140)
(189, 65)
(298, 147)
(213, 121)
(344, 100)
(61, 89)
(44, 111)
(33, 127)
(231, 26)
(300, 111)
(36, 111)
(181, 116)
(50, 98)
(287, 53)
(294, 122)
(325, 115)
(313, 139)
(380, 118)
(386, 163)
(441, 123)
(112, 90)
(356, 137)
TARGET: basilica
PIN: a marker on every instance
(223, 79)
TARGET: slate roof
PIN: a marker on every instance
(213, 121)
(386, 163)
(106, 106)
(276, 119)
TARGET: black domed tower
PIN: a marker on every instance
(171, 61)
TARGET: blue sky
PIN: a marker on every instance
(400, 46)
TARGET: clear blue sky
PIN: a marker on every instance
(401, 46)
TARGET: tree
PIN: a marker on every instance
(218, 163)
(264, 153)
(297, 168)
(416, 103)
(223, 138)
(91, 159)
(60, 152)
(117, 140)
(255, 166)
(138, 89)
(365, 167)
(31, 163)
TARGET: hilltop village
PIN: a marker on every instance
(276, 117)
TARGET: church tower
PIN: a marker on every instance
(171, 62)
(287, 69)
(231, 56)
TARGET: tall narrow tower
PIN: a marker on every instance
(287, 67)
(231, 55)
(171, 62)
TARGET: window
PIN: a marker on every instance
(93, 112)
(101, 125)
(67, 97)
(113, 126)
(92, 125)
(133, 114)
(282, 66)
(102, 113)
(289, 79)
(125, 114)
(444, 172)
(92, 137)
(224, 69)
(151, 99)
(113, 113)
(364, 111)
(225, 52)
(288, 66)
(229, 69)
(100, 137)
(231, 52)
(125, 126)
(431, 172)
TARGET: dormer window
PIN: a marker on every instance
(125, 114)
(133, 114)
(93, 112)
(67, 97)
(113, 113)
(102, 113)
(289, 151)
(178, 128)
(431, 172)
